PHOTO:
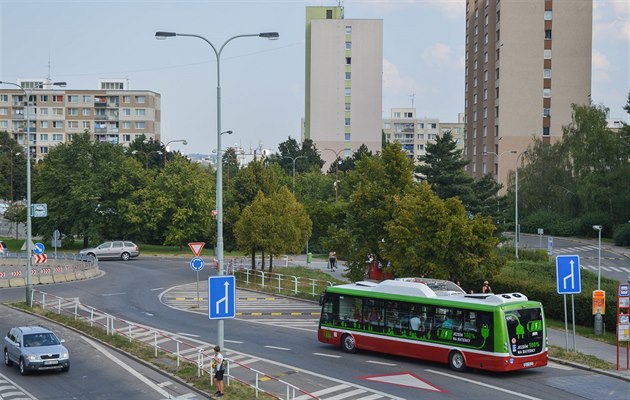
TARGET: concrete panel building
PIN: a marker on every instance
(344, 68)
(111, 114)
(526, 63)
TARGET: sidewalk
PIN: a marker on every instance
(601, 350)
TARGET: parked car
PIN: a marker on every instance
(35, 348)
(117, 249)
(3, 249)
(3, 208)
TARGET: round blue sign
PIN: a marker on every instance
(39, 248)
(196, 264)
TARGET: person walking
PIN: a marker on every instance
(219, 368)
(332, 260)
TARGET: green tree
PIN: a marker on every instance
(13, 167)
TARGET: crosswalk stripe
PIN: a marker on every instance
(322, 392)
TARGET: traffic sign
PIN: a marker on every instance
(221, 297)
(196, 247)
(39, 248)
(550, 245)
(568, 278)
(196, 264)
(39, 258)
(39, 210)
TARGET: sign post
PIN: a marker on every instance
(196, 264)
(623, 322)
(568, 281)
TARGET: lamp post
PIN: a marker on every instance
(599, 228)
(337, 161)
(294, 159)
(219, 201)
(183, 141)
(516, 229)
(499, 157)
(29, 233)
(146, 156)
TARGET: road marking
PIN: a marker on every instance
(232, 341)
(381, 363)
(113, 294)
(124, 366)
(484, 385)
(327, 355)
(187, 334)
(277, 348)
(5, 379)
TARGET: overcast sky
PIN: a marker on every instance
(262, 81)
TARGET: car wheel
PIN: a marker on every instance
(125, 256)
(7, 360)
(91, 255)
(347, 344)
(23, 370)
(456, 361)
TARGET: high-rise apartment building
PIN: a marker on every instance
(415, 133)
(344, 73)
(111, 114)
(526, 63)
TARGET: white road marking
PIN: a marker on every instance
(5, 379)
(157, 288)
(124, 366)
(113, 294)
(233, 341)
(187, 334)
(484, 385)
(277, 348)
(326, 355)
(381, 363)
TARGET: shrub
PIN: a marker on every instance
(622, 235)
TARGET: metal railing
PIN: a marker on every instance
(281, 283)
(182, 349)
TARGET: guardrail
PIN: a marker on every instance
(181, 349)
(282, 283)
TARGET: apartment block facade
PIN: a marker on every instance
(415, 133)
(110, 114)
(344, 69)
(526, 63)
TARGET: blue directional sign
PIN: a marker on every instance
(568, 277)
(221, 297)
(39, 248)
(196, 264)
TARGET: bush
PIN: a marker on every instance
(622, 235)
(585, 224)
(537, 280)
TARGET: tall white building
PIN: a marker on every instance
(344, 71)
(527, 62)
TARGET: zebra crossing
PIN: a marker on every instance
(589, 266)
(10, 390)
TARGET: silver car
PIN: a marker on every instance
(117, 249)
(35, 348)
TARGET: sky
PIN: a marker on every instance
(262, 81)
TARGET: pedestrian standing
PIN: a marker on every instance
(219, 368)
(486, 287)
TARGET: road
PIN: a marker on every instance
(286, 345)
(96, 371)
(613, 264)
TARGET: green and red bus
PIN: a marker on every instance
(435, 320)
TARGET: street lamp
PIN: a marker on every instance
(146, 156)
(217, 53)
(294, 159)
(29, 233)
(183, 141)
(499, 157)
(337, 161)
(516, 230)
(599, 228)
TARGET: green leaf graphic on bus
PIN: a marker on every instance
(534, 326)
(445, 334)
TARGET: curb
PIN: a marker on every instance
(609, 373)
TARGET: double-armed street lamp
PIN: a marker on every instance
(337, 162)
(219, 201)
(294, 159)
(29, 233)
(516, 229)
(146, 156)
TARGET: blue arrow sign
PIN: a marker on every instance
(568, 277)
(196, 264)
(221, 297)
(39, 248)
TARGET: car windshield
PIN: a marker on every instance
(40, 339)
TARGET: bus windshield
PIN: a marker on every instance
(525, 331)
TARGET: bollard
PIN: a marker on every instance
(598, 324)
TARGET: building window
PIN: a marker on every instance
(126, 125)
(348, 107)
(43, 124)
(433, 126)
(140, 112)
(497, 73)
(57, 124)
(126, 112)
(126, 99)
(548, 34)
(485, 113)
(498, 35)
(73, 99)
(348, 121)
(347, 136)
(496, 112)
(547, 54)
(547, 112)
(86, 125)
(485, 57)
(57, 137)
(548, 15)
(485, 38)
(4, 124)
(140, 125)
(43, 111)
(4, 98)
(348, 45)
(498, 54)
(329, 14)
(485, 20)
(73, 112)
(496, 92)
(43, 98)
(485, 76)
(87, 99)
(348, 75)
(348, 60)
(547, 73)
(4, 111)
(348, 30)
(348, 91)
(408, 115)
(57, 111)
(546, 131)
(475, 98)
(73, 124)
(43, 137)
(485, 94)
(546, 93)
(57, 99)
(87, 112)
(141, 99)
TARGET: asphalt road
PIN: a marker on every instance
(131, 290)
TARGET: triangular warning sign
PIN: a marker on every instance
(407, 379)
(196, 247)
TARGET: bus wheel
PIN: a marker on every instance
(347, 344)
(456, 361)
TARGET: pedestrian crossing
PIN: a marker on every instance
(606, 268)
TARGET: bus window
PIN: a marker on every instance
(525, 331)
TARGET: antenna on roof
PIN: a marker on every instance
(48, 76)
(412, 95)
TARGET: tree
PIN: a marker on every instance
(13, 167)
(291, 149)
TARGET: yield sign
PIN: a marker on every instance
(407, 379)
(196, 247)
